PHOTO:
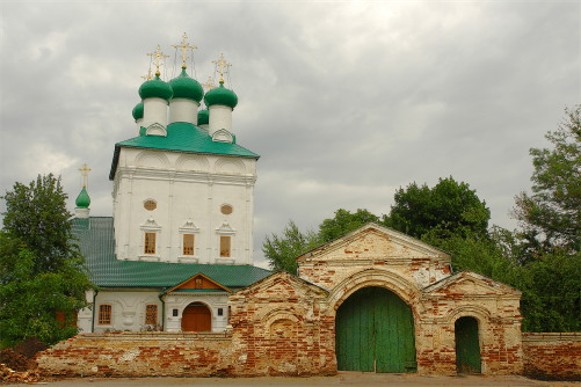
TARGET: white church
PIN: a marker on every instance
(180, 240)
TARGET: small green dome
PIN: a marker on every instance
(138, 111)
(155, 88)
(203, 117)
(221, 96)
(186, 87)
(83, 200)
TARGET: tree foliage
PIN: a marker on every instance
(448, 209)
(551, 215)
(281, 251)
(37, 214)
(41, 269)
(343, 223)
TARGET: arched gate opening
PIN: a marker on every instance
(374, 332)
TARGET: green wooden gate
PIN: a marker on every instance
(467, 346)
(375, 333)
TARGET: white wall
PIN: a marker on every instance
(181, 301)
(128, 310)
(185, 187)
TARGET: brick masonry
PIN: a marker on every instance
(552, 355)
(285, 325)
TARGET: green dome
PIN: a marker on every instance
(138, 111)
(83, 200)
(203, 117)
(186, 87)
(221, 96)
(155, 88)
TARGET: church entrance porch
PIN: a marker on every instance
(375, 333)
(196, 317)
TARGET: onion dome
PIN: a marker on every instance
(203, 117)
(83, 200)
(186, 87)
(138, 111)
(155, 88)
(221, 96)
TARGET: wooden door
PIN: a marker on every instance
(375, 333)
(467, 346)
(196, 318)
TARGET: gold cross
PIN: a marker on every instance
(85, 174)
(147, 76)
(157, 58)
(184, 46)
(221, 66)
(209, 84)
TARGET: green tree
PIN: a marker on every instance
(343, 223)
(37, 214)
(449, 208)
(282, 251)
(41, 269)
(551, 215)
(552, 293)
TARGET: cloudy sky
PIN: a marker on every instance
(345, 101)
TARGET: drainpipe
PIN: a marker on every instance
(162, 311)
(94, 310)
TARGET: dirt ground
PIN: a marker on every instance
(342, 379)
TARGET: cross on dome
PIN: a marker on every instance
(157, 58)
(147, 76)
(222, 66)
(85, 174)
(209, 84)
(184, 46)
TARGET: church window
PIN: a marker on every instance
(149, 246)
(225, 248)
(226, 209)
(150, 205)
(188, 244)
(105, 314)
(220, 312)
(151, 314)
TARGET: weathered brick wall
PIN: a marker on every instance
(139, 354)
(407, 257)
(496, 308)
(278, 328)
(552, 355)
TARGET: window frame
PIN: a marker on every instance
(103, 312)
(151, 314)
(191, 248)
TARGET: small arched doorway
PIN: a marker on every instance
(196, 318)
(374, 332)
(468, 359)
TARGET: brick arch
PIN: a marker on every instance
(278, 314)
(480, 313)
(393, 282)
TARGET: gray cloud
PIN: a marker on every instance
(345, 102)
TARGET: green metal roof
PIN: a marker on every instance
(182, 137)
(97, 243)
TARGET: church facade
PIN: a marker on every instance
(176, 258)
